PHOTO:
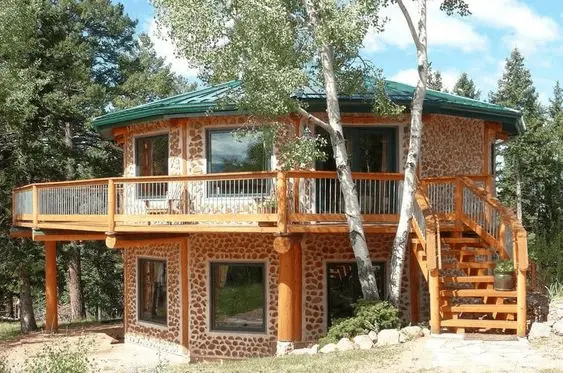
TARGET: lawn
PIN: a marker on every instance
(9, 330)
(341, 362)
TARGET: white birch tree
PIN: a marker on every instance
(276, 48)
(418, 31)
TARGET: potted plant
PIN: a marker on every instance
(504, 279)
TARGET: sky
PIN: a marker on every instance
(477, 44)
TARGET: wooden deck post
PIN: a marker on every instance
(521, 303)
(298, 288)
(286, 296)
(434, 288)
(111, 206)
(51, 299)
(282, 202)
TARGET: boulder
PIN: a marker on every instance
(328, 348)
(539, 330)
(364, 342)
(314, 349)
(558, 327)
(555, 310)
(388, 337)
(425, 332)
(373, 336)
(411, 332)
(345, 345)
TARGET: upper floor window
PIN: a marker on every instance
(227, 152)
(152, 160)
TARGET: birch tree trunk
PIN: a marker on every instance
(357, 235)
(27, 316)
(400, 242)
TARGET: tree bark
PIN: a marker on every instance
(400, 242)
(518, 194)
(357, 235)
(77, 311)
(27, 316)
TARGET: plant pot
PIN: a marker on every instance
(504, 281)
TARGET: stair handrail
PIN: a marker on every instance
(509, 227)
(427, 228)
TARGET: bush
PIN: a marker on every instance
(504, 266)
(61, 358)
(368, 316)
(4, 367)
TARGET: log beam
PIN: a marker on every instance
(128, 241)
(61, 235)
(51, 299)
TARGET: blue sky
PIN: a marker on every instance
(477, 44)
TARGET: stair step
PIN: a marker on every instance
(477, 293)
(463, 265)
(468, 279)
(471, 323)
(460, 240)
(467, 252)
(480, 308)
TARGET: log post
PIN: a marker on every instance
(286, 296)
(458, 207)
(51, 316)
(434, 288)
(297, 293)
(521, 303)
(111, 205)
(282, 202)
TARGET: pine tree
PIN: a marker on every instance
(434, 79)
(466, 87)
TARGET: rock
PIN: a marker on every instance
(555, 310)
(300, 351)
(364, 342)
(314, 349)
(558, 327)
(425, 332)
(345, 345)
(539, 330)
(328, 348)
(537, 307)
(412, 332)
(388, 337)
(373, 336)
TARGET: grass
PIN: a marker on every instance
(555, 291)
(9, 330)
(350, 361)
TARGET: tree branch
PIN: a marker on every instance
(324, 125)
(412, 29)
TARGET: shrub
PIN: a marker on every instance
(555, 291)
(61, 358)
(368, 316)
(4, 367)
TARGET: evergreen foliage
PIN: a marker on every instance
(466, 87)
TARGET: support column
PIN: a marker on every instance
(434, 287)
(51, 299)
(298, 289)
(286, 296)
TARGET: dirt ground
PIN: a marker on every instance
(441, 353)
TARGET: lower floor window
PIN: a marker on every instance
(344, 288)
(238, 297)
(152, 291)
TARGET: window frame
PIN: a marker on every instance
(139, 279)
(212, 281)
(138, 153)
(327, 264)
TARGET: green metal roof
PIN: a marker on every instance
(208, 100)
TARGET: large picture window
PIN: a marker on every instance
(152, 160)
(238, 297)
(231, 152)
(344, 288)
(152, 291)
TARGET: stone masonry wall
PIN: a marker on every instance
(206, 248)
(167, 337)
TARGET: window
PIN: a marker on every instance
(227, 152)
(344, 288)
(238, 297)
(152, 291)
(152, 160)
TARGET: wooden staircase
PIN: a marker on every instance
(458, 262)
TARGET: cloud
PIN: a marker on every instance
(166, 49)
(443, 30)
(410, 76)
(523, 27)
